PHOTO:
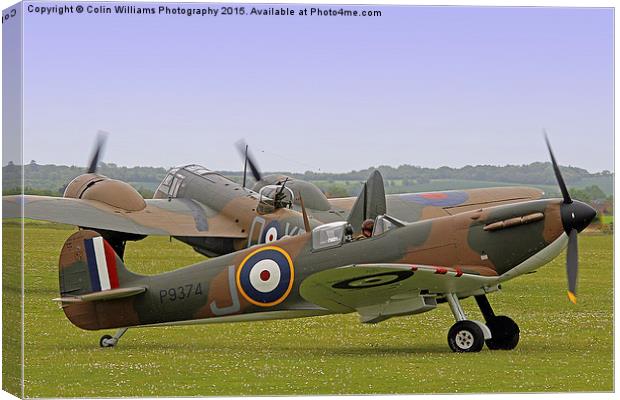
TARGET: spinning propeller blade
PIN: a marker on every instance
(572, 261)
(558, 174)
(576, 216)
(243, 149)
(94, 159)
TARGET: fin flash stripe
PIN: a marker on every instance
(101, 260)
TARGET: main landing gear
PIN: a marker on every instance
(504, 331)
(466, 336)
(111, 341)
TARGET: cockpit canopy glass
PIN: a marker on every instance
(198, 169)
(329, 235)
(385, 223)
(276, 196)
(169, 183)
(168, 179)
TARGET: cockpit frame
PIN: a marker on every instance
(273, 197)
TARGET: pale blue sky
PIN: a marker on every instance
(428, 86)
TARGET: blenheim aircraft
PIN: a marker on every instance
(286, 251)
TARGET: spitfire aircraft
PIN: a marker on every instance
(286, 254)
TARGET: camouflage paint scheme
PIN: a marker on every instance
(286, 251)
(428, 258)
(217, 216)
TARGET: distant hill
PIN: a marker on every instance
(54, 178)
(51, 179)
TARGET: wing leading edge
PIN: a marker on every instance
(166, 217)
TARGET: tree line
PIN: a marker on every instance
(52, 179)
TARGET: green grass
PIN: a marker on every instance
(563, 347)
(607, 219)
(11, 309)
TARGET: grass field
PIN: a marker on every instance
(563, 347)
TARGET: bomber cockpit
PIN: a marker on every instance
(175, 178)
(170, 185)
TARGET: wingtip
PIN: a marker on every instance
(572, 297)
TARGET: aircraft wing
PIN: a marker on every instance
(174, 217)
(412, 207)
(377, 291)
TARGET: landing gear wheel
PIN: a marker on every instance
(504, 332)
(465, 337)
(106, 341)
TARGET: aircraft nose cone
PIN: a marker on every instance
(577, 215)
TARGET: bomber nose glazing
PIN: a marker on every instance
(576, 215)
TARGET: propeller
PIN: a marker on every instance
(248, 161)
(576, 216)
(99, 145)
(558, 174)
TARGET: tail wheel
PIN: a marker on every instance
(504, 332)
(106, 341)
(465, 337)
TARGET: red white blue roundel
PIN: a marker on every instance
(265, 276)
(449, 198)
(271, 233)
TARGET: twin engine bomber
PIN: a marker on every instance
(283, 250)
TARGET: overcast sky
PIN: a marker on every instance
(428, 86)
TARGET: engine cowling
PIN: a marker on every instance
(103, 189)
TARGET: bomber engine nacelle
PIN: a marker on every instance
(114, 193)
(105, 190)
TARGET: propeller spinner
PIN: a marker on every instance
(576, 216)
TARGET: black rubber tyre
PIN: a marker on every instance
(465, 337)
(504, 333)
(101, 341)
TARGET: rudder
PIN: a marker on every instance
(89, 264)
(95, 286)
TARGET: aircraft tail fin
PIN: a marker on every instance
(370, 203)
(90, 272)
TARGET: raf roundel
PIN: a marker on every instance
(271, 233)
(265, 276)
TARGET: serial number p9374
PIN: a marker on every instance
(180, 292)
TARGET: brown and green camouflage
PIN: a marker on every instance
(217, 216)
(455, 253)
